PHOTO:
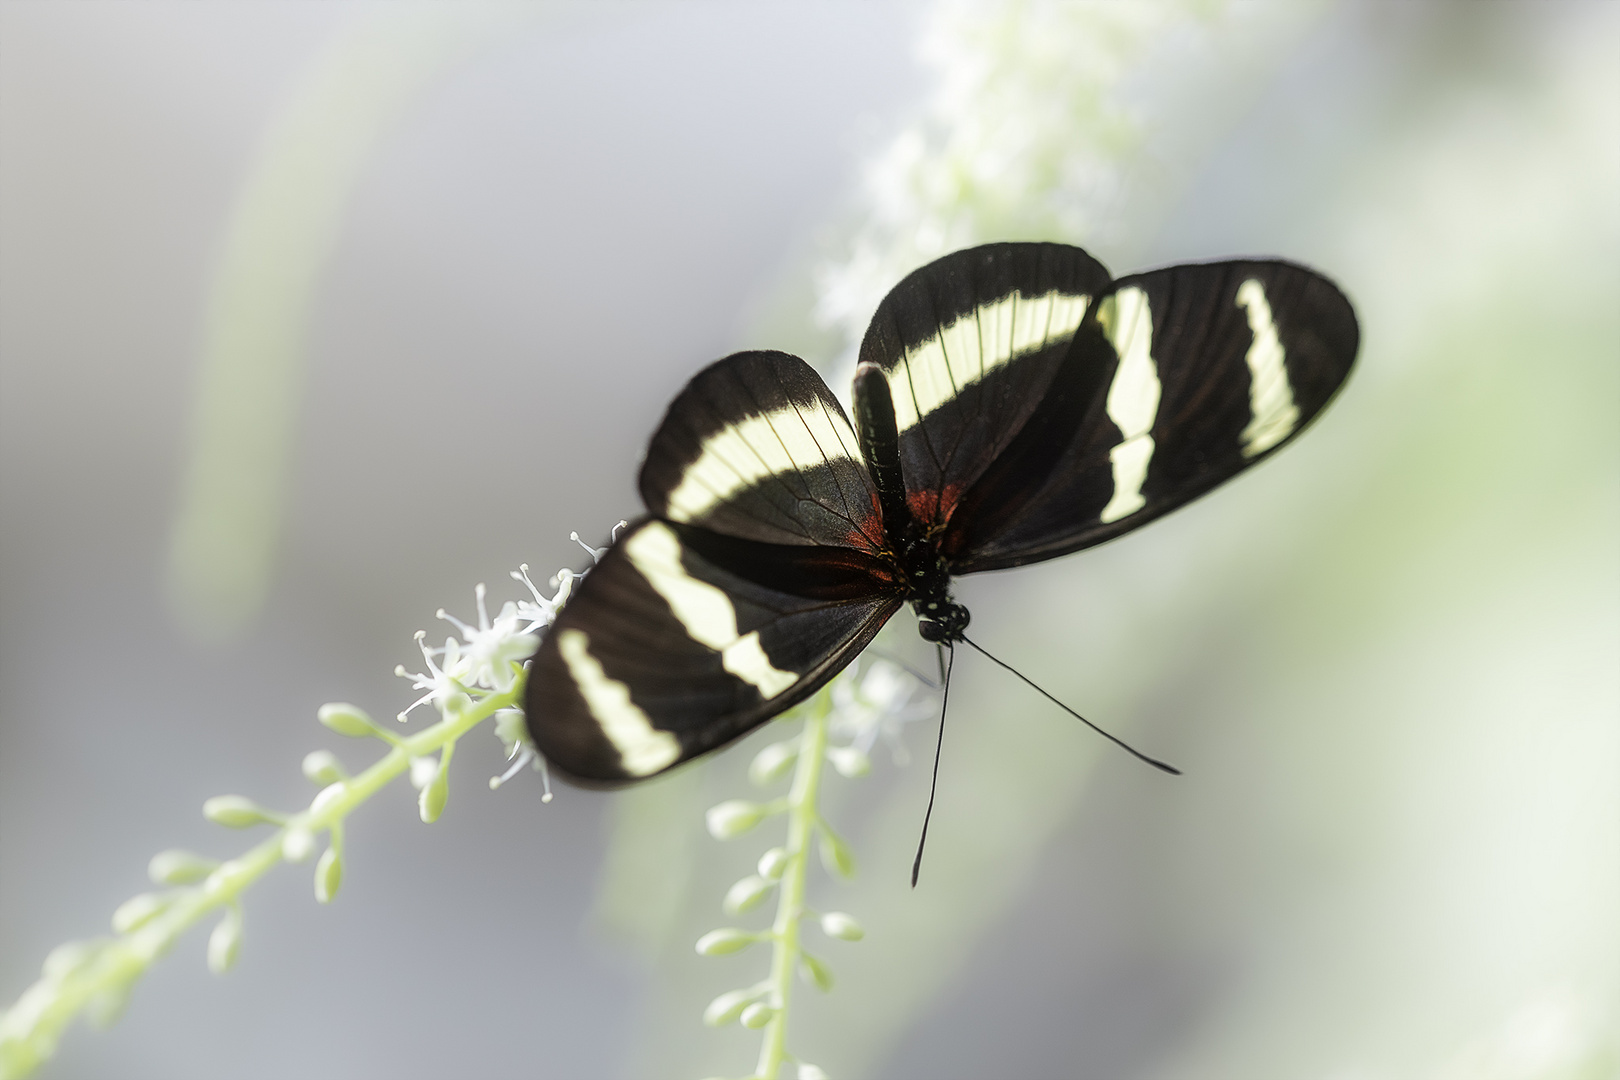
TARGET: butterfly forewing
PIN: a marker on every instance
(757, 447)
(1182, 378)
(969, 344)
(680, 640)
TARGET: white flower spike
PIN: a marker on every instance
(467, 682)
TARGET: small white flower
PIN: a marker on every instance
(879, 701)
(494, 651)
(541, 612)
(513, 731)
(594, 552)
(442, 687)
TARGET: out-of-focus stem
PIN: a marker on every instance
(802, 817)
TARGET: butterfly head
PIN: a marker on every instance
(940, 620)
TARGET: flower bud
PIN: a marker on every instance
(745, 894)
(423, 770)
(808, 1071)
(137, 911)
(64, 960)
(773, 762)
(757, 1015)
(733, 818)
(237, 812)
(328, 875)
(721, 942)
(773, 863)
(226, 941)
(321, 767)
(727, 1007)
(176, 867)
(836, 856)
(849, 761)
(837, 924)
(225, 875)
(297, 845)
(346, 719)
(433, 797)
(327, 796)
(816, 972)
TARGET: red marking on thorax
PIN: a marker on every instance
(933, 509)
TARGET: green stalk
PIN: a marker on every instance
(30, 1029)
(802, 818)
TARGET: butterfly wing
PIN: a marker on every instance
(969, 345)
(681, 640)
(1178, 379)
(756, 447)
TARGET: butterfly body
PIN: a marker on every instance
(920, 567)
(1012, 403)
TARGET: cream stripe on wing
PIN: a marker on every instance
(643, 749)
(742, 454)
(1271, 400)
(705, 611)
(1133, 398)
(971, 347)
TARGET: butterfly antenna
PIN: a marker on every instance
(1155, 762)
(933, 786)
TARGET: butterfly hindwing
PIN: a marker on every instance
(1181, 378)
(969, 344)
(681, 640)
(757, 447)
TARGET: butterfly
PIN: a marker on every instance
(1013, 403)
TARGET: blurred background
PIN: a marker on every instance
(314, 315)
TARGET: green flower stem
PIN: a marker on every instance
(802, 819)
(30, 1029)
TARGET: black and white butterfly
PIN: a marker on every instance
(1013, 403)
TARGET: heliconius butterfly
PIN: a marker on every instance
(1013, 403)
